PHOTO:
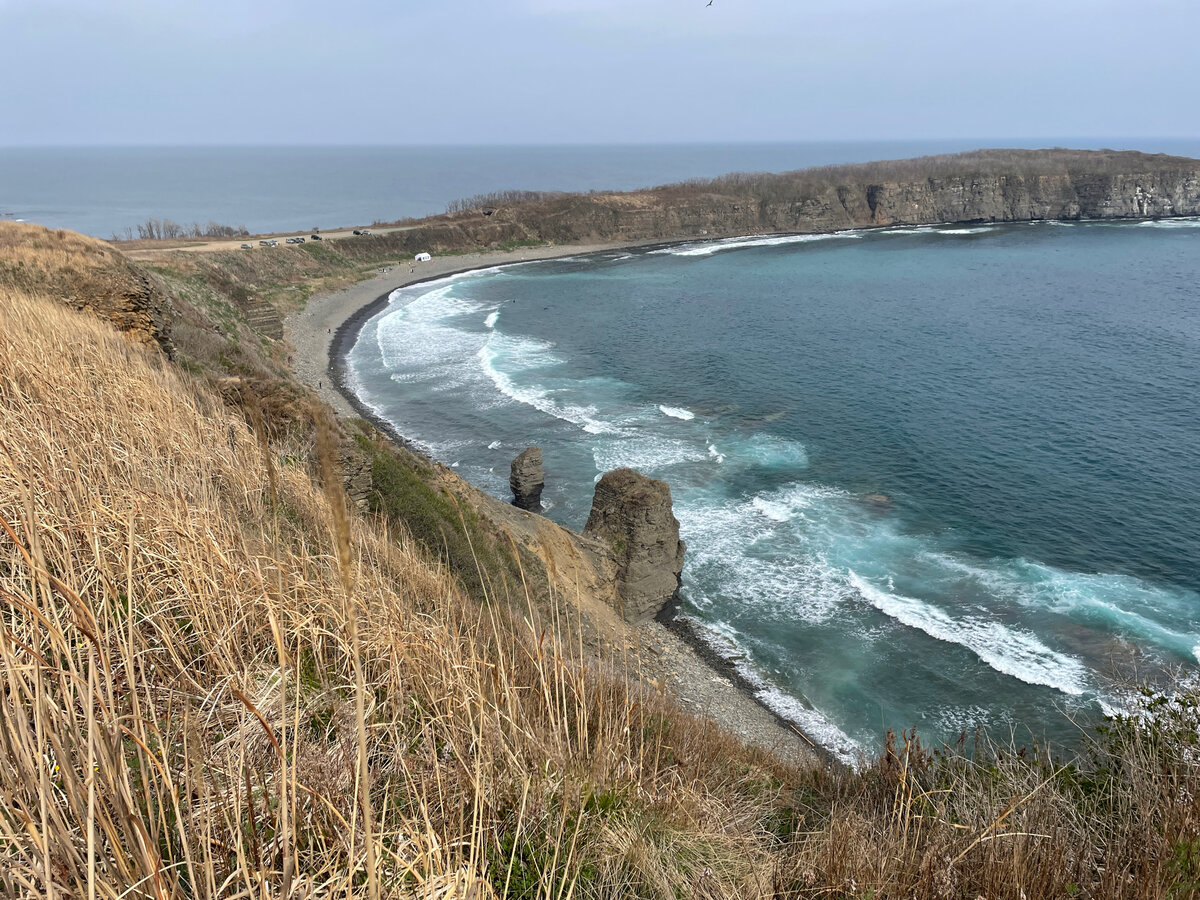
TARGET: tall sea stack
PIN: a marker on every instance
(527, 478)
(632, 515)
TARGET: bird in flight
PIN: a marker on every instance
(710, 3)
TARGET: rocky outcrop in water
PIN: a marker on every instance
(527, 479)
(631, 514)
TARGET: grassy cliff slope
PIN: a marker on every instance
(216, 680)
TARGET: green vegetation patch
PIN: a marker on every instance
(448, 530)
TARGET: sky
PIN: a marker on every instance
(89, 72)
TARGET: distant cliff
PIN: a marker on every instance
(981, 186)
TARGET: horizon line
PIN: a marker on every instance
(984, 142)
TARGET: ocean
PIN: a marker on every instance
(101, 191)
(935, 477)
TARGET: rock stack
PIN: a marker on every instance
(527, 479)
(632, 515)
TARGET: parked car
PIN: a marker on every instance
(356, 231)
(265, 243)
(365, 231)
(316, 237)
(298, 240)
(247, 247)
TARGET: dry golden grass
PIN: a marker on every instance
(35, 257)
(214, 682)
(216, 686)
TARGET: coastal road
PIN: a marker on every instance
(149, 249)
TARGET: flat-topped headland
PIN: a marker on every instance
(981, 186)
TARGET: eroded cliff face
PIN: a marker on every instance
(88, 275)
(1004, 198)
(929, 201)
(990, 186)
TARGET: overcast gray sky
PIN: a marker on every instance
(593, 71)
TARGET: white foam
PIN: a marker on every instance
(907, 229)
(754, 551)
(716, 454)
(1011, 652)
(490, 321)
(982, 229)
(708, 248)
(953, 720)
(1189, 222)
(533, 355)
(1111, 710)
(813, 723)
(418, 342)
(722, 639)
(494, 445)
(676, 412)
(1123, 602)
(646, 452)
(773, 509)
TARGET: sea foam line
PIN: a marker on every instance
(1010, 652)
(1122, 604)
(722, 640)
(708, 248)
(539, 399)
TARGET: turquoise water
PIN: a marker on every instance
(940, 477)
(103, 190)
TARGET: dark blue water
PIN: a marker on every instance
(103, 190)
(943, 477)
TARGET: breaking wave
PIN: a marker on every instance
(676, 412)
(1007, 650)
(708, 248)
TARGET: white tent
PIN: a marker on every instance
(422, 257)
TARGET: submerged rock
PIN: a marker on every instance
(631, 514)
(527, 479)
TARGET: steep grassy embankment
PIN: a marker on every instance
(216, 680)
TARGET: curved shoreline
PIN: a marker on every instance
(345, 335)
(723, 696)
(669, 628)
